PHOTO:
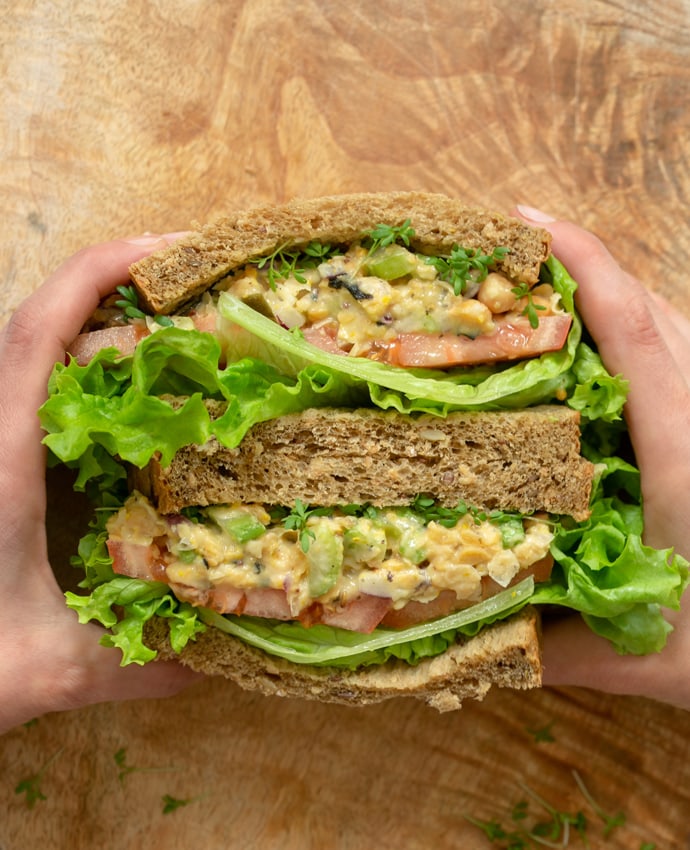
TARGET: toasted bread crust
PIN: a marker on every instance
(169, 278)
(524, 460)
(506, 654)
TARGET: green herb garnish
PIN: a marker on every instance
(31, 785)
(126, 769)
(543, 734)
(527, 829)
(296, 520)
(610, 821)
(465, 264)
(283, 263)
(170, 803)
(509, 524)
(129, 302)
(523, 291)
(386, 234)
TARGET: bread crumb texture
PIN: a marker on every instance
(522, 460)
(506, 654)
(169, 278)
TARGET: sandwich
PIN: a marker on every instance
(352, 448)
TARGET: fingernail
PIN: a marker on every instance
(532, 214)
(145, 240)
(172, 237)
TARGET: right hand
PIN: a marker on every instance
(645, 339)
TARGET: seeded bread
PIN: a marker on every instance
(524, 460)
(506, 654)
(171, 277)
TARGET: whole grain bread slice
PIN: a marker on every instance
(506, 654)
(171, 277)
(523, 460)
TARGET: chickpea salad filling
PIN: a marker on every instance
(326, 564)
(374, 298)
(388, 303)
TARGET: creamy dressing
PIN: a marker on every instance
(360, 310)
(387, 553)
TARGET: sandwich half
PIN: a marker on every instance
(348, 449)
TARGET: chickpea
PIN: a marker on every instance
(470, 317)
(496, 293)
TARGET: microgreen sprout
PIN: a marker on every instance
(283, 263)
(129, 302)
(296, 520)
(386, 234)
(31, 785)
(171, 804)
(523, 291)
(127, 769)
(465, 264)
(610, 821)
(542, 734)
(527, 829)
(510, 524)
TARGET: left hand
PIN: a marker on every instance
(49, 662)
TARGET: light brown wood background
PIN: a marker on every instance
(124, 116)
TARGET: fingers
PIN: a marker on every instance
(98, 677)
(40, 330)
(574, 655)
(675, 328)
(62, 666)
(625, 320)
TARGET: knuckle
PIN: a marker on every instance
(640, 325)
(21, 329)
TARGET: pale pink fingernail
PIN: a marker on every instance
(145, 240)
(172, 237)
(535, 215)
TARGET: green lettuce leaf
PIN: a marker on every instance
(334, 647)
(124, 605)
(604, 570)
(117, 406)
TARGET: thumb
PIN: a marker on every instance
(621, 316)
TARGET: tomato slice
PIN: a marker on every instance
(266, 602)
(513, 339)
(123, 337)
(421, 612)
(323, 337)
(362, 615)
(136, 560)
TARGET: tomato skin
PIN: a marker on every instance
(361, 615)
(324, 337)
(136, 560)
(511, 340)
(124, 337)
(419, 612)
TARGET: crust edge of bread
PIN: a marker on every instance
(506, 654)
(366, 444)
(169, 278)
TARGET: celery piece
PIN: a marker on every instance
(241, 525)
(325, 556)
(391, 262)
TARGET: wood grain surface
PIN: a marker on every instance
(125, 116)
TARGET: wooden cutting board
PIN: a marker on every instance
(122, 117)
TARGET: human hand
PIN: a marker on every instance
(644, 338)
(49, 662)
